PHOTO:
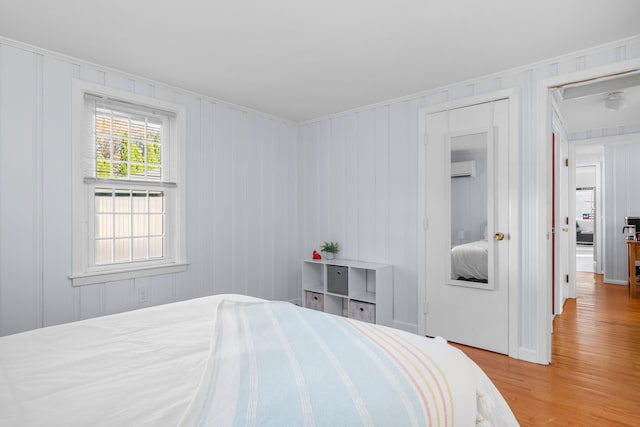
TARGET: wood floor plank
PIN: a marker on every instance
(594, 375)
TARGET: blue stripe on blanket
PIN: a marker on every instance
(302, 367)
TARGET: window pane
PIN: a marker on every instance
(122, 201)
(139, 201)
(123, 250)
(140, 248)
(125, 217)
(138, 131)
(156, 202)
(156, 224)
(103, 251)
(127, 145)
(104, 225)
(153, 154)
(103, 201)
(155, 247)
(123, 225)
(140, 225)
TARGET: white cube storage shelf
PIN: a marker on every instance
(367, 294)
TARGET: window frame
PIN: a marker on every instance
(84, 269)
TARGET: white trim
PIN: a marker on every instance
(176, 259)
(514, 217)
(606, 140)
(101, 277)
(542, 227)
(616, 282)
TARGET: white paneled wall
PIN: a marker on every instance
(621, 199)
(360, 180)
(241, 199)
(262, 193)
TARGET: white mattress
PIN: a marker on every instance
(470, 260)
(174, 364)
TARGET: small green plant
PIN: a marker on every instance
(330, 247)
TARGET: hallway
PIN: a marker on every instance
(594, 377)
(584, 259)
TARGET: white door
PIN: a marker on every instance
(467, 218)
(562, 223)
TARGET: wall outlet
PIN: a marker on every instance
(143, 294)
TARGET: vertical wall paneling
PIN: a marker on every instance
(325, 189)
(253, 207)
(118, 296)
(188, 283)
(310, 177)
(365, 186)
(117, 81)
(352, 160)
(310, 199)
(90, 301)
(287, 215)
(58, 295)
(381, 180)
(241, 199)
(163, 289)
(37, 194)
(336, 178)
(206, 199)
(266, 249)
(222, 201)
(620, 200)
(19, 279)
(399, 183)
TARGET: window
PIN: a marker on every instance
(128, 191)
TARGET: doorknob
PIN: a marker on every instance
(499, 236)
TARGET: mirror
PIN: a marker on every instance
(469, 210)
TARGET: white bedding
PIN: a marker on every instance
(470, 261)
(179, 363)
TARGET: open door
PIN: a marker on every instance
(561, 223)
(467, 225)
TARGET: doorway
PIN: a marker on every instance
(467, 235)
(605, 81)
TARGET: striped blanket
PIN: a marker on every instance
(275, 364)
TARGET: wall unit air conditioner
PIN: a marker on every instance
(460, 169)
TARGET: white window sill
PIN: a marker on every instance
(131, 273)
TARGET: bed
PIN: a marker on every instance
(235, 360)
(470, 261)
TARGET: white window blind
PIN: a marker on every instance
(127, 142)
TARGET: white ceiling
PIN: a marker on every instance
(303, 59)
(588, 113)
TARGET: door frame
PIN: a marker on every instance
(541, 229)
(514, 208)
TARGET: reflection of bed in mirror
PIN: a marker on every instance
(470, 261)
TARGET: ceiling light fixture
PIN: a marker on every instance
(615, 101)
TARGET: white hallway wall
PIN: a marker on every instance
(360, 179)
(621, 199)
(241, 198)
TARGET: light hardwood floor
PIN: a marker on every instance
(594, 376)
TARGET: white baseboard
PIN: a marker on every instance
(615, 282)
(528, 355)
